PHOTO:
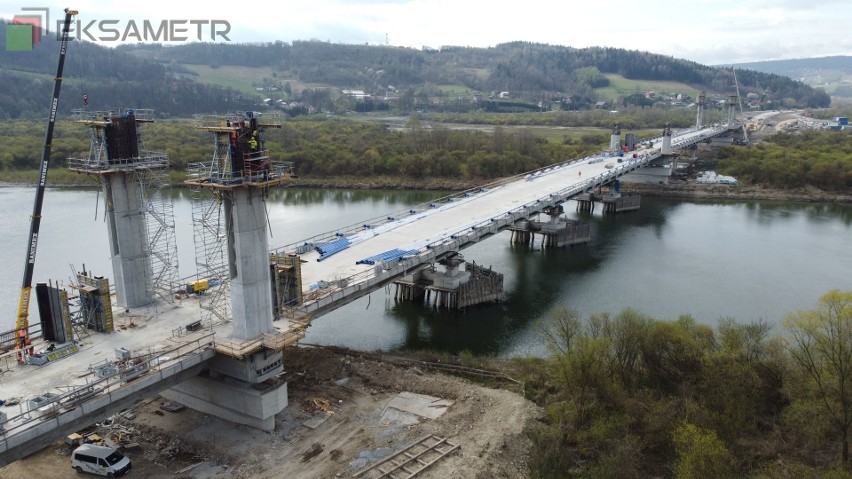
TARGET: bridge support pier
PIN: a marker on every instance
(452, 288)
(522, 236)
(253, 405)
(556, 233)
(131, 265)
(621, 203)
(586, 203)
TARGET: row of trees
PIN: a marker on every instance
(632, 396)
(330, 148)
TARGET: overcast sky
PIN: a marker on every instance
(706, 31)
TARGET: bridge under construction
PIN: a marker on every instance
(217, 346)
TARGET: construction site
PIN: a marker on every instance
(200, 376)
(120, 358)
(205, 376)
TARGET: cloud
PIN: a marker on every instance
(706, 31)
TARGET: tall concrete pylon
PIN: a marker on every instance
(238, 176)
(615, 139)
(701, 104)
(140, 221)
(732, 110)
(667, 141)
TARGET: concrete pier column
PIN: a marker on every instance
(732, 110)
(128, 240)
(615, 139)
(667, 141)
(702, 101)
(248, 260)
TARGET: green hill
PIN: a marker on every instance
(310, 76)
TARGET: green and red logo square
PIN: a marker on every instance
(25, 31)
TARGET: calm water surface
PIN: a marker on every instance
(750, 261)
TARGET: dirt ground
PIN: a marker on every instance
(336, 424)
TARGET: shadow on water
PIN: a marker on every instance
(534, 279)
(385, 198)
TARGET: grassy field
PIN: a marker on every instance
(244, 79)
(620, 86)
(481, 73)
(455, 90)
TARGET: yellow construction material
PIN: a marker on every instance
(198, 286)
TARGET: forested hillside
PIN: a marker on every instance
(527, 70)
(109, 78)
(192, 78)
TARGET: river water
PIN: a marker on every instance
(746, 260)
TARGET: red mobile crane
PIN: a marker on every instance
(22, 325)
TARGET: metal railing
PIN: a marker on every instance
(179, 358)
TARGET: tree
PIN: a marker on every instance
(700, 454)
(820, 343)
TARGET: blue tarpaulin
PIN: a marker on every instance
(327, 249)
(394, 254)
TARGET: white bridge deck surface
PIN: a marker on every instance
(459, 217)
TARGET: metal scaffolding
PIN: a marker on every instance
(160, 230)
(150, 170)
(240, 160)
(208, 225)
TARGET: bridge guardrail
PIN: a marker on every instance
(65, 403)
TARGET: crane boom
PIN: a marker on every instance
(22, 324)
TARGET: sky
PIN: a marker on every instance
(711, 32)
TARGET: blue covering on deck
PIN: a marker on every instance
(327, 249)
(394, 254)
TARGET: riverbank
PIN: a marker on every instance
(678, 190)
(694, 191)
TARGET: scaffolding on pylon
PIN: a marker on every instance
(240, 160)
(160, 230)
(150, 170)
(208, 225)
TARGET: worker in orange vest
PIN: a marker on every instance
(23, 342)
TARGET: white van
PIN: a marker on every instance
(101, 460)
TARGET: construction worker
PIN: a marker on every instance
(253, 143)
(23, 343)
